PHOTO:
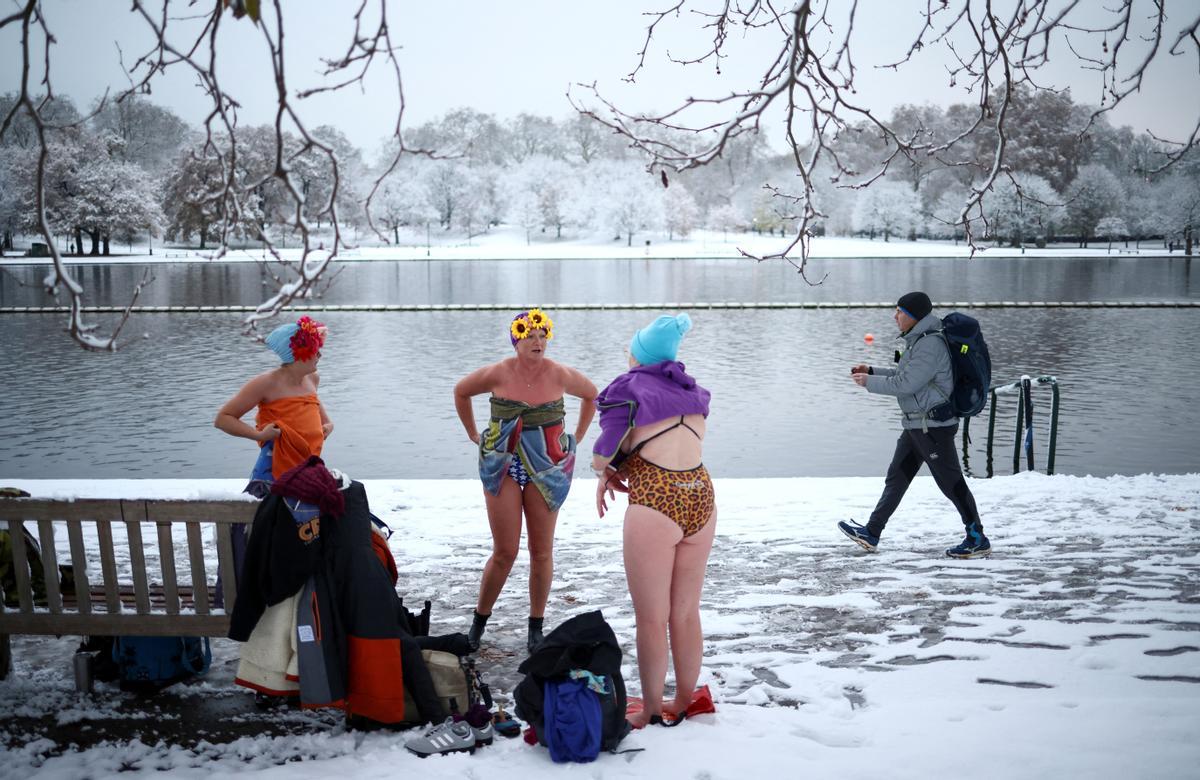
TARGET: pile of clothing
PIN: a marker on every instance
(317, 607)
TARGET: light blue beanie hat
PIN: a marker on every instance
(659, 340)
(280, 342)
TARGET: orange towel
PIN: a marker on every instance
(299, 418)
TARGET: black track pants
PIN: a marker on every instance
(935, 449)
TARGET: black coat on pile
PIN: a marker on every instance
(352, 614)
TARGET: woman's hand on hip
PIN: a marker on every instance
(270, 433)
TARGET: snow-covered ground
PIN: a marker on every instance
(1073, 652)
(508, 242)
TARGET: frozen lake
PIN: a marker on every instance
(783, 404)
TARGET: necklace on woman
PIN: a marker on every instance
(537, 375)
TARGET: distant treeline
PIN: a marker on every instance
(134, 168)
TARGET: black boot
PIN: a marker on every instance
(535, 634)
(476, 632)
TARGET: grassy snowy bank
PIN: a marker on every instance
(509, 242)
(1073, 651)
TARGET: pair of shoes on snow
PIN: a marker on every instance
(453, 736)
(975, 545)
(479, 625)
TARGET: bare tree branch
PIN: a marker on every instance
(993, 48)
(196, 50)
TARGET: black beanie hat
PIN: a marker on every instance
(915, 304)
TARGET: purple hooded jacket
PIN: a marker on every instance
(644, 395)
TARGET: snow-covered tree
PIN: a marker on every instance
(725, 218)
(473, 206)
(585, 141)
(446, 182)
(525, 210)
(151, 135)
(630, 203)
(88, 192)
(12, 209)
(1022, 210)
(1112, 228)
(530, 135)
(890, 208)
(680, 212)
(474, 136)
(1179, 199)
(1095, 194)
(317, 178)
(55, 112)
(764, 214)
(403, 200)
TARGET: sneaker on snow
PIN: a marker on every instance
(479, 718)
(975, 545)
(860, 535)
(483, 734)
(451, 736)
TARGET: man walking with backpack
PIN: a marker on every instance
(923, 382)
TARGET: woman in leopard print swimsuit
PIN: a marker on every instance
(652, 421)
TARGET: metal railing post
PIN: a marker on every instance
(1027, 396)
(1053, 382)
(1017, 437)
(991, 432)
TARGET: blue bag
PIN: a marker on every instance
(147, 664)
(573, 727)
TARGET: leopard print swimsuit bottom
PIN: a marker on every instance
(686, 497)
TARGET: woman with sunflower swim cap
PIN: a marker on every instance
(526, 459)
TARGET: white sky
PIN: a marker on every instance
(507, 58)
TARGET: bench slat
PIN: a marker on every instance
(108, 566)
(79, 564)
(220, 512)
(166, 562)
(158, 599)
(134, 511)
(199, 576)
(228, 571)
(16, 530)
(57, 509)
(128, 624)
(50, 565)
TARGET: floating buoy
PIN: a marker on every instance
(869, 338)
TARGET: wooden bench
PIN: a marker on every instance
(136, 602)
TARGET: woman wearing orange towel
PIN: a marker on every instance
(291, 423)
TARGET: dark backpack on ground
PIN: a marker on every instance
(147, 664)
(583, 642)
(971, 366)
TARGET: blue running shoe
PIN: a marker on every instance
(975, 545)
(860, 535)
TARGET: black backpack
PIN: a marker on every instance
(583, 642)
(971, 366)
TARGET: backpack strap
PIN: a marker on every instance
(945, 398)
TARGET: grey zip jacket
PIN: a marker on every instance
(922, 379)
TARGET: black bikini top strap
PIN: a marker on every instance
(668, 429)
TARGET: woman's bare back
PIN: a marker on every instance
(677, 449)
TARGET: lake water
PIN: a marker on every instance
(783, 404)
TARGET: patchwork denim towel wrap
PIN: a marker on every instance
(535, 435)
